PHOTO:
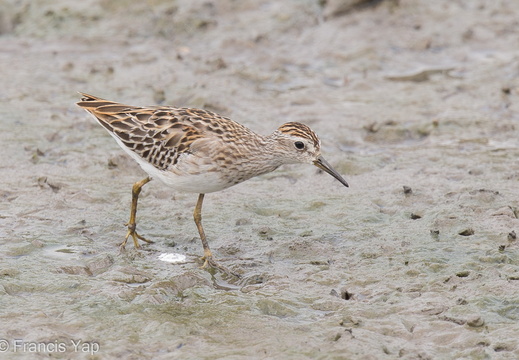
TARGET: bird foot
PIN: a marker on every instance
(209, 261)
(135, 236)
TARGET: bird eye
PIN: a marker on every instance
(299, 145)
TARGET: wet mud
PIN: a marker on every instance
(416, 104)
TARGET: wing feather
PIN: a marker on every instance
(157, 134)
(160, 135)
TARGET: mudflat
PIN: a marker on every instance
(416, 104)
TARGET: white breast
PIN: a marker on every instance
(205, 182)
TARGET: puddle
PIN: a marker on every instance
(61, 252)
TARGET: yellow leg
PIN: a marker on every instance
(208, 256)
(197, 215)
(136, 190)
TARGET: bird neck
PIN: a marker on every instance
(273, 150)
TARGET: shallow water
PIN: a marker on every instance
(372, 271)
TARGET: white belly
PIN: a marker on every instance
(203, 183)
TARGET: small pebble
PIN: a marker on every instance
(466, 232)
(346, 295)
(242, 221)
(463, 273)
(475, 321)
(461, 301)
(334, 293)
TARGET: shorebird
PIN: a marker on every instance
(198, 151)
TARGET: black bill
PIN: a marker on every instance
(323, 165)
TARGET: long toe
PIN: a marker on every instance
(144, 239)
(135, 236)
(209, 261)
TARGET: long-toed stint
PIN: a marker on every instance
(198, 151)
